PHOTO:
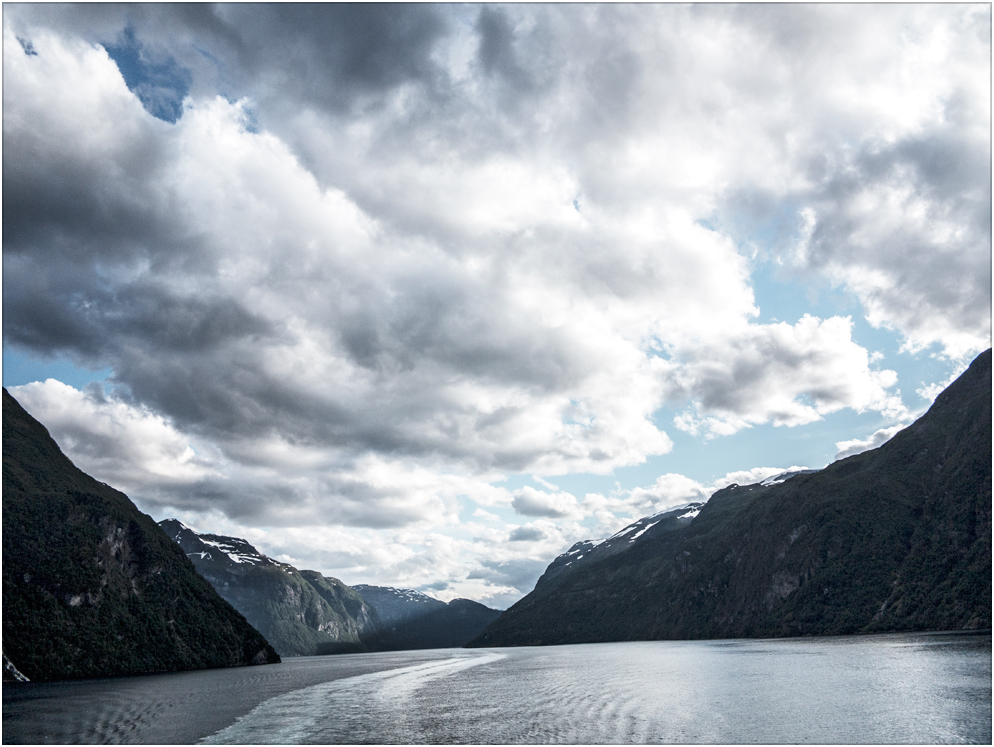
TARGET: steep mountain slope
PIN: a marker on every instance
(302, 613)
(897, 538)
(91, 586)
(412, 620)
(588, 552)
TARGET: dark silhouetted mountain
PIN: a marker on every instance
(896, 538)
(92, 586)
(301, 613)
(412, 620)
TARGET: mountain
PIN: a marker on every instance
(304, 613)
(301, 613)
(91, 586)
(412, 620)
(588, 552)
(896, 538)
(397, 606)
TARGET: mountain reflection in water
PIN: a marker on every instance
(895, 688)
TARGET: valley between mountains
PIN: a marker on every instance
(894, 539)
(303, 613)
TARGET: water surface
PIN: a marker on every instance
(902, 688)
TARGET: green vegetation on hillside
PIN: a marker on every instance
(301, 613)
(897, 538)
(92, 586)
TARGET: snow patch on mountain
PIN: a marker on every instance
(784, 476)
(588, 550)
(233, 551)
(236, 550)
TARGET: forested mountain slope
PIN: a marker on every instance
(301, 613)
(896, 538)
(92, 586)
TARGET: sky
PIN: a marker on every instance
(421, 295)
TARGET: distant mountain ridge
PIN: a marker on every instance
(895, 538)
(412, 620)
(396, 605)
(91, 586)
(301, 613)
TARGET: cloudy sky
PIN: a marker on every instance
(420, 295)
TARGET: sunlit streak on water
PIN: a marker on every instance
(874, 689)
(908, 688)
(359, 708)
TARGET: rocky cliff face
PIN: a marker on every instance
(304, 613)
(301, 613)
(91, 586)
(897, 538)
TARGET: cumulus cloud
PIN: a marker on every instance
(337, 332)
(779, 373)
(352, 265)
(903, 226)
(668, 490)
(890, 195)
(858, 446)
(526, 534)
(127, 446)
(271, 481)
(531, 502)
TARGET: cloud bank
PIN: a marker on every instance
(351, 266)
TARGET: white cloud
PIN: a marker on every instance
(530, 502)
(438, 245)
(668, 490)
(128, 447)
(858, 446)
(931, 391)
(780, 373)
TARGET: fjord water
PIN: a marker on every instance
(910, 688)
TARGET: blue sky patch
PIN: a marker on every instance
(28, 47)
(158, 81)
(19, 369)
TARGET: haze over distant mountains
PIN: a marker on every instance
(410, 619)
(896, 538)
(300, 612)
(303, 613)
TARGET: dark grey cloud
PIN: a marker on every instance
(529, 502)
(28, 47)
(497, 55)
(389, 253)
(71, 206)
(496, 49)
(519, 574)
(526, 534)
(278, 503)
(333, 55)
